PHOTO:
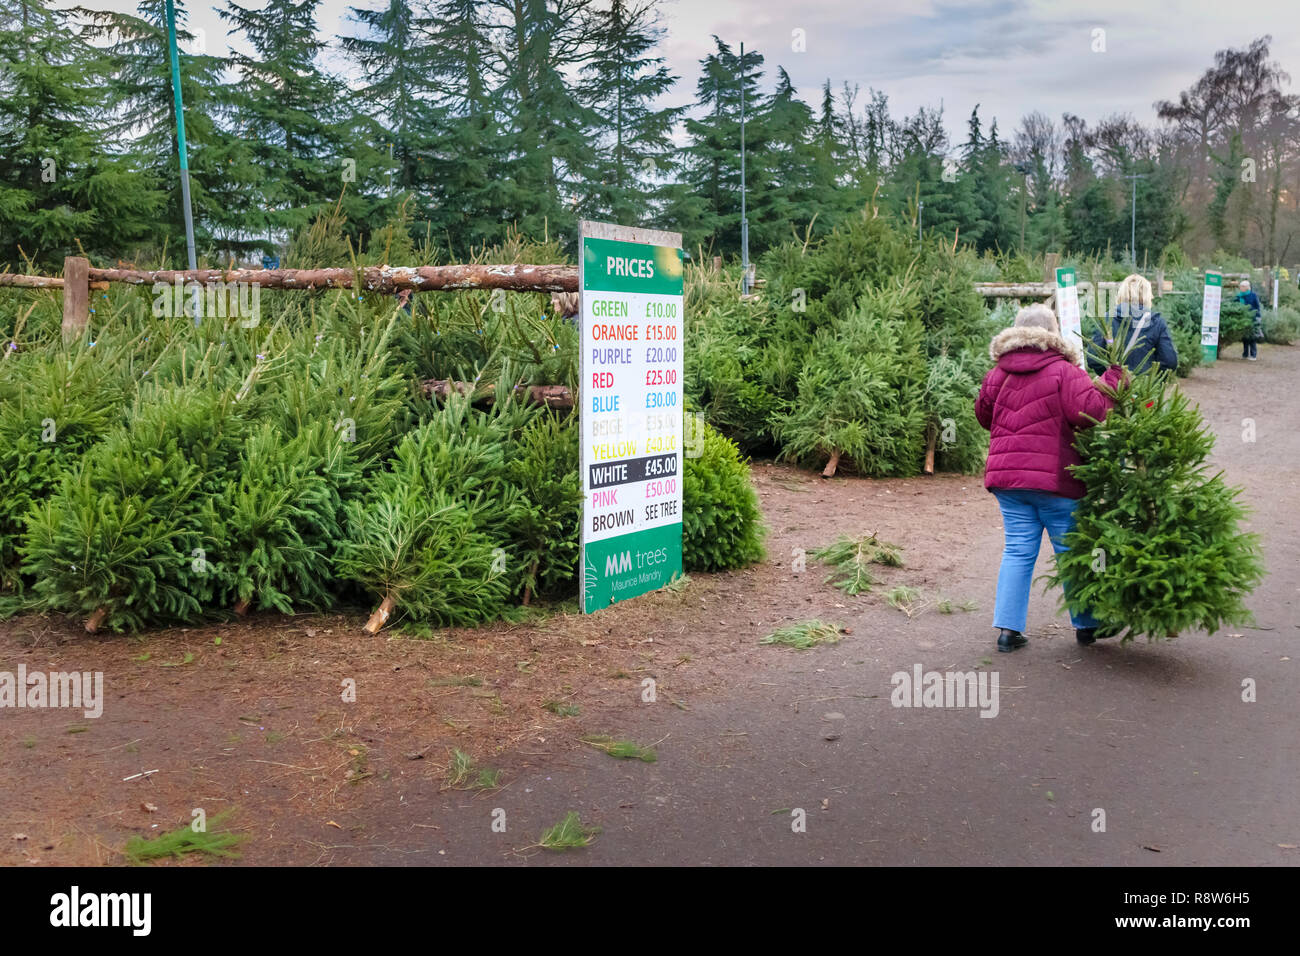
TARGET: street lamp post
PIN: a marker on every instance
(1023, 170)
(1132, 244)
(744, 218)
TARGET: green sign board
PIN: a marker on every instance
(632, 305)
(611, 265)
(1210, 315)
(1067, 307)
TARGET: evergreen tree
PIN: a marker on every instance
(281, 517)
(712, 172)
(53, 408)
(722, 523)
(926, 183)
(545, 525)
(471, 197)
(973, 148)
(995, 194)
(950, 209)
(1037, 155)
(433, 535)
(144, 117)
(1047, 227)
(913, 157)
(60, 190)
(827, 134)
(1159, 220)
(547, 126)
(798, 182)
(989, 193)
(1091, 215)
(130, 537)
(860, 390)
(844, 187)
(396, 60)
(632, 139)
(293, 116)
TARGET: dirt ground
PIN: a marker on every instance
(250, 717)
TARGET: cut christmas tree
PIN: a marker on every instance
(722, 524)
(419, 552)
(52, 408)
(430, 537)
(282, 518)
(544, 527)
(1158, 548)
(130, 538)
(859, 394)
(954, 438)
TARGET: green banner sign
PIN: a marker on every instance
(1210, 316)
(631, 403)
(1067, 308)
(611, 265)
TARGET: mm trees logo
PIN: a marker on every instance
(618, 563)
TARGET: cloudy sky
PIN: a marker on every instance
(1010, 56)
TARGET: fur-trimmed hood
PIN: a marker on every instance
(1026, 337)
(1033, 401)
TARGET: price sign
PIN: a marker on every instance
(631, 411)
(1067, 308)
(1210, 315)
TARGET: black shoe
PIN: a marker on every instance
(1009, 640)
(1085, 635)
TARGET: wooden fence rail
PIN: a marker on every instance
(18, 281)
(79, 278)
(561, 281)
(515, 278)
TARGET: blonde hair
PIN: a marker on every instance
(1135, 291)
(1038, 316)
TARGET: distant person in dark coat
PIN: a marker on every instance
(1250, 342)
(1143, 327)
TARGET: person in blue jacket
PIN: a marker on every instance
(1144, 328)
(1250, 342)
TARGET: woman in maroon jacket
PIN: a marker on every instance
(1032, 402)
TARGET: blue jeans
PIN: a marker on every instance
(1024, 516)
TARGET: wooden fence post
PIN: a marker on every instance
(76, 295)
